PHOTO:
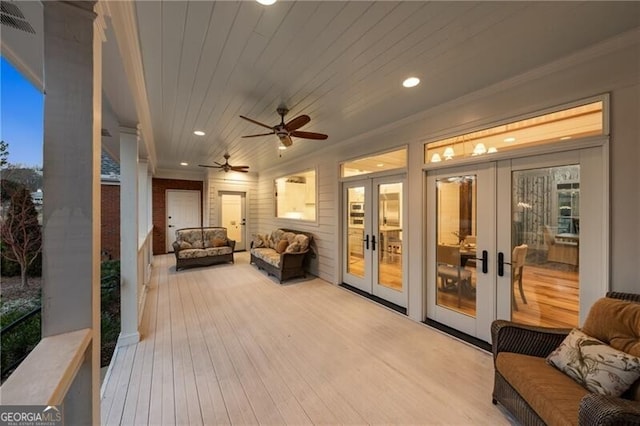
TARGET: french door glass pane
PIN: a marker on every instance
(456, 203)
(355, 239)
(546, 245)
(390, 235)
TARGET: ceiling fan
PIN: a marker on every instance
(284, 131)
(226, 166)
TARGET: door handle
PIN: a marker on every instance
(373, 242)
(501, 264)
(366, 242)
(171, 226)
(485, 261)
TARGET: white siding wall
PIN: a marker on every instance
(612, 67)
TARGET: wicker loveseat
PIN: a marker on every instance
(202, 247)
(284, 253)
(537, 393)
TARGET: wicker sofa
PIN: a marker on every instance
(284, 253)
(202, 247)
(537, 393)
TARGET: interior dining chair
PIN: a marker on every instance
(518, 257)
(451, 274)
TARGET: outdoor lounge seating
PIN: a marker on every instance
(202, 247)
(539, 393)
(284, 253)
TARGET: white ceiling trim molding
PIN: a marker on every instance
(125, 28)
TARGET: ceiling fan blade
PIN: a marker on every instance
(239, 169)
(219, 165)
(256, 122)
(261, 134)
(211, 167)
(309, 135)
(297, 122)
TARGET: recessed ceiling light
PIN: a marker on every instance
(184, 164)
(380, 165)
(198, 132)
(266, 2)
(492, 149)
(510, 139)
(564, 138)
(282, 147)
(411, 82)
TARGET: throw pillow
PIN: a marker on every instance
(184, 245)
(282, 246)
(294, 247)
(258, 241)
(595, 365)
(218, 242)
(197, 244)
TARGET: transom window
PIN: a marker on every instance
(375, 163)
(555, 127)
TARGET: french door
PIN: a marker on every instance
(374, 225)
(520, 239)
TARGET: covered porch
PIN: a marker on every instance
(227, 344)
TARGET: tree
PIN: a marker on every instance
(4, 153)
(21, 232)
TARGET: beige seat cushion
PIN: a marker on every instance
(551, 394)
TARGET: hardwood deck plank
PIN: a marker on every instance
(227, 344)
(161, 407)
(187, 407)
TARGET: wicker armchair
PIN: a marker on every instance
(539, 342)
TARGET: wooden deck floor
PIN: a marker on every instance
(225, 344)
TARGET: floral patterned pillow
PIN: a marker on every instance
(595, 365)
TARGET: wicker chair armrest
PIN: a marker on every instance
(176, 246)
(524, 339)
(596, 409)
(289, 259)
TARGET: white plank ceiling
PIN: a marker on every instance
(342, 63)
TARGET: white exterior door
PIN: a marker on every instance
(183, 211)
(233, 216)
(520, 239)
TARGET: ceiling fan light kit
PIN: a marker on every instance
(284, 131)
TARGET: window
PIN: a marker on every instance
(555, 127)
(375, 163)
(296, 196)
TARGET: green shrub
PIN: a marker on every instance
(23, 338)
(19, 341)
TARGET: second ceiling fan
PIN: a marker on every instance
(284, 131)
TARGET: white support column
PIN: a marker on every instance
(128, 237)
(71, 213)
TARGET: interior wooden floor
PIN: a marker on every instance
(552, 298)
(390, 269)
(228, 345)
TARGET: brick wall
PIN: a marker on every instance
(160, 187)
(110, 221)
